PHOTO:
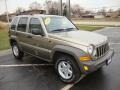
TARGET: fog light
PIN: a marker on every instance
(86, 68)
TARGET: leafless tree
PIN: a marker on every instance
(19, 10)
(103, 11)
(5, 13)
(110, 10)
(77, 10)
(118, 12)
(47, 4)
(52, 7)
(64, 9)
(35, 6)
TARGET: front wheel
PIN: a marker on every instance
(18, 54)
(67, 69)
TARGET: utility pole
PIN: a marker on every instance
(68, 9)
(47, 11)
(7, 16)
(60, 8)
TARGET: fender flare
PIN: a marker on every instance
(75, 52)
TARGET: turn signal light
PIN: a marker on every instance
(85, 58)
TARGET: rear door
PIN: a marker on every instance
(13, 26)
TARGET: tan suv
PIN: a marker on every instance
(56, 40)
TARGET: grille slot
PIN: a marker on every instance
(101, 50)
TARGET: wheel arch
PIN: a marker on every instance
(12, 41)
(61, 49)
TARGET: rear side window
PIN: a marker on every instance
(22, 24)
(14, 23)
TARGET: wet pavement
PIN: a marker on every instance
(44, 77)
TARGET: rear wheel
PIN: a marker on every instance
(18, 54)
(67, 69)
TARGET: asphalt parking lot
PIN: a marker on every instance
(28, 74)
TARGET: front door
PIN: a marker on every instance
(37, 40)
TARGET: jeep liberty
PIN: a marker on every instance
(57, 40)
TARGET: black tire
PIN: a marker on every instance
(76, 71)
(100, 69)
(20, 52)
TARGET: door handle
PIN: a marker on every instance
(29, 36)
(49, 41)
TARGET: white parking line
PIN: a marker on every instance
(115, 43)
(68, 86)
(24, 65)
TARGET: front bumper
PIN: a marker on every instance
(96, 64)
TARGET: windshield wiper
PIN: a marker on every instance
(57, 30)
(63, 30)
(70, 29)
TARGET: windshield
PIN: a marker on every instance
(58, 24)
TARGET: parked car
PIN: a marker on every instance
(57, 40)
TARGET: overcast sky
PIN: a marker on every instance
(88, 4)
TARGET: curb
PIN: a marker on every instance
(4, 52)
(103, 29)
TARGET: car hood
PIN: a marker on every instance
(81, 37)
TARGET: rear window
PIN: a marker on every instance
(22, 24)
(14, 23)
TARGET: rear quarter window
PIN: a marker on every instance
(14, 23)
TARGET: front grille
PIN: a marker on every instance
(101, 50)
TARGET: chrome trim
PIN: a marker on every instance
(102, 50)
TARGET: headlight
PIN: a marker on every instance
(109, 44)
(90, 49)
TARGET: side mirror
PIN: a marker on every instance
(37, 31)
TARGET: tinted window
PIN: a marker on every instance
(22, 24)
(34, 25)
(13, 24)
